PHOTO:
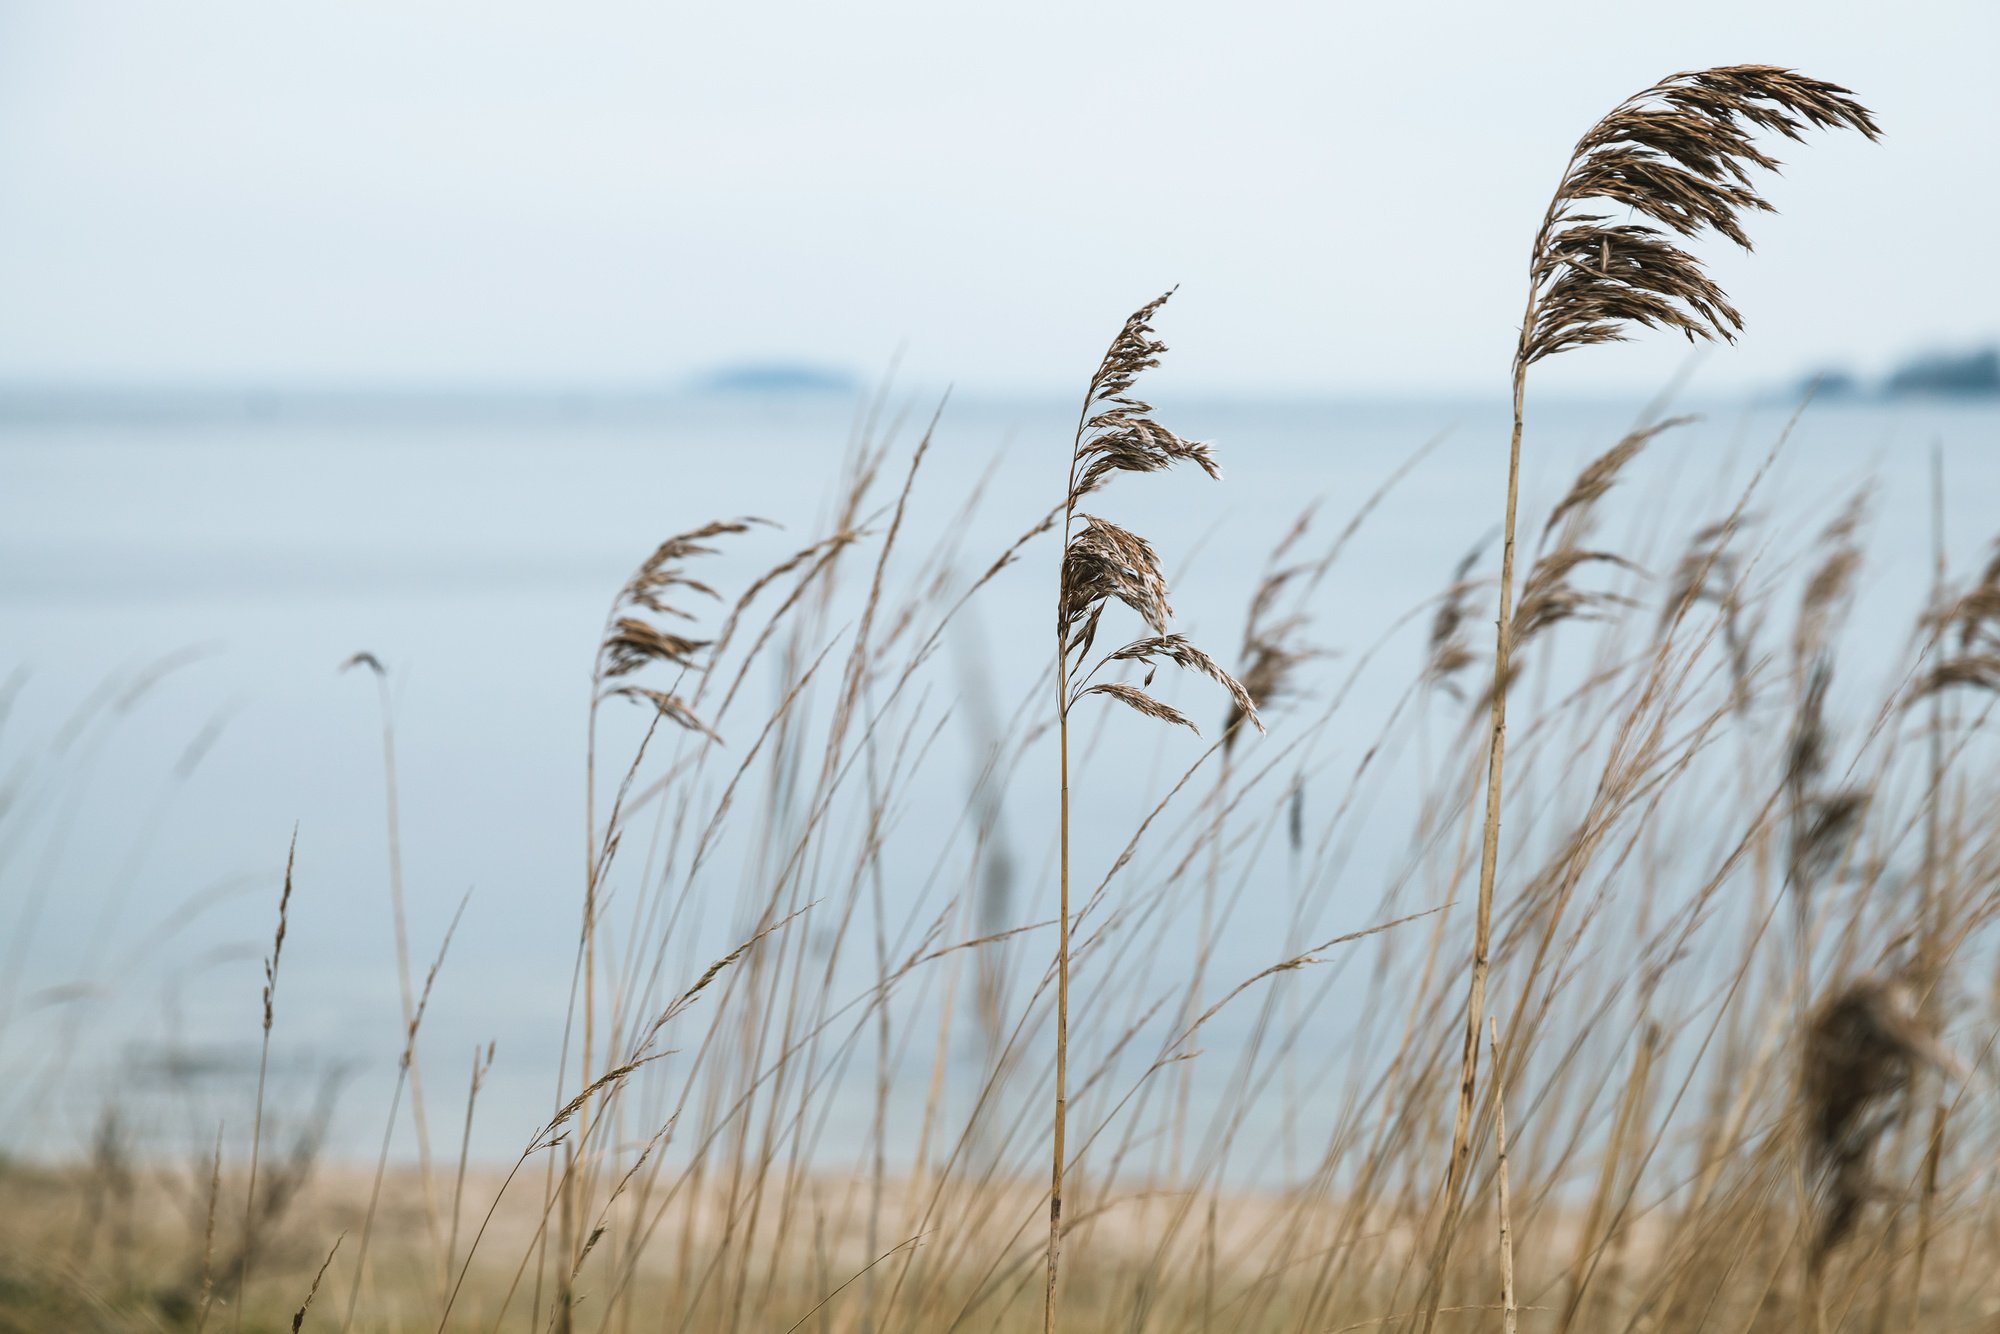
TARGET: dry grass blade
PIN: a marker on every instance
(263, 1067)
(1600, 476)
(278, 937)
(819, 553)
(430, 980)
(205, 1295)
(299, 1316)
(715, 970)
(1315, 955)
(551, 1134)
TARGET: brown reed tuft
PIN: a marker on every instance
(1274, 655)
(1828, 824)
(1102, 562)
(631, 642)
(1863, 1044)
(1709, 572)
(1272, 647)
(1975, 614)
(1970, 669)
(1549, 598)
(1822, 821)
(1676, 153)
(1829, 588)
(1805, 751)
(1177, 650)
(1449, 653)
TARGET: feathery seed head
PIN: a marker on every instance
(1103, 561)
(1676, 154)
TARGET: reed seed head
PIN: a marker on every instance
(1862, 1045)
(1677, 154)
(1104, 562)
(632, 642)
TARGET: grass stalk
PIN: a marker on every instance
(263, 1069)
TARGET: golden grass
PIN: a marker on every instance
(1726, 970)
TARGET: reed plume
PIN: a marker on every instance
(1829, 589)
(1449, 654)
(632, 642)
(1709, 572)
(1975, 615)
(1272, 647)
(1577, 510)
(1863, 1044)
(1102, 563)
(1677, 155)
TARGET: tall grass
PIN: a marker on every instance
(1733, 997)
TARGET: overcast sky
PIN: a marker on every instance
(593, 194)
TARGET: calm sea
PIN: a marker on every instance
(178, 589)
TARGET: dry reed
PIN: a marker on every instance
(1676, 153)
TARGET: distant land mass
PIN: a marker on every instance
(778, 377)
(1948, 374)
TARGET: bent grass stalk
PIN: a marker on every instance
(393, 814)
